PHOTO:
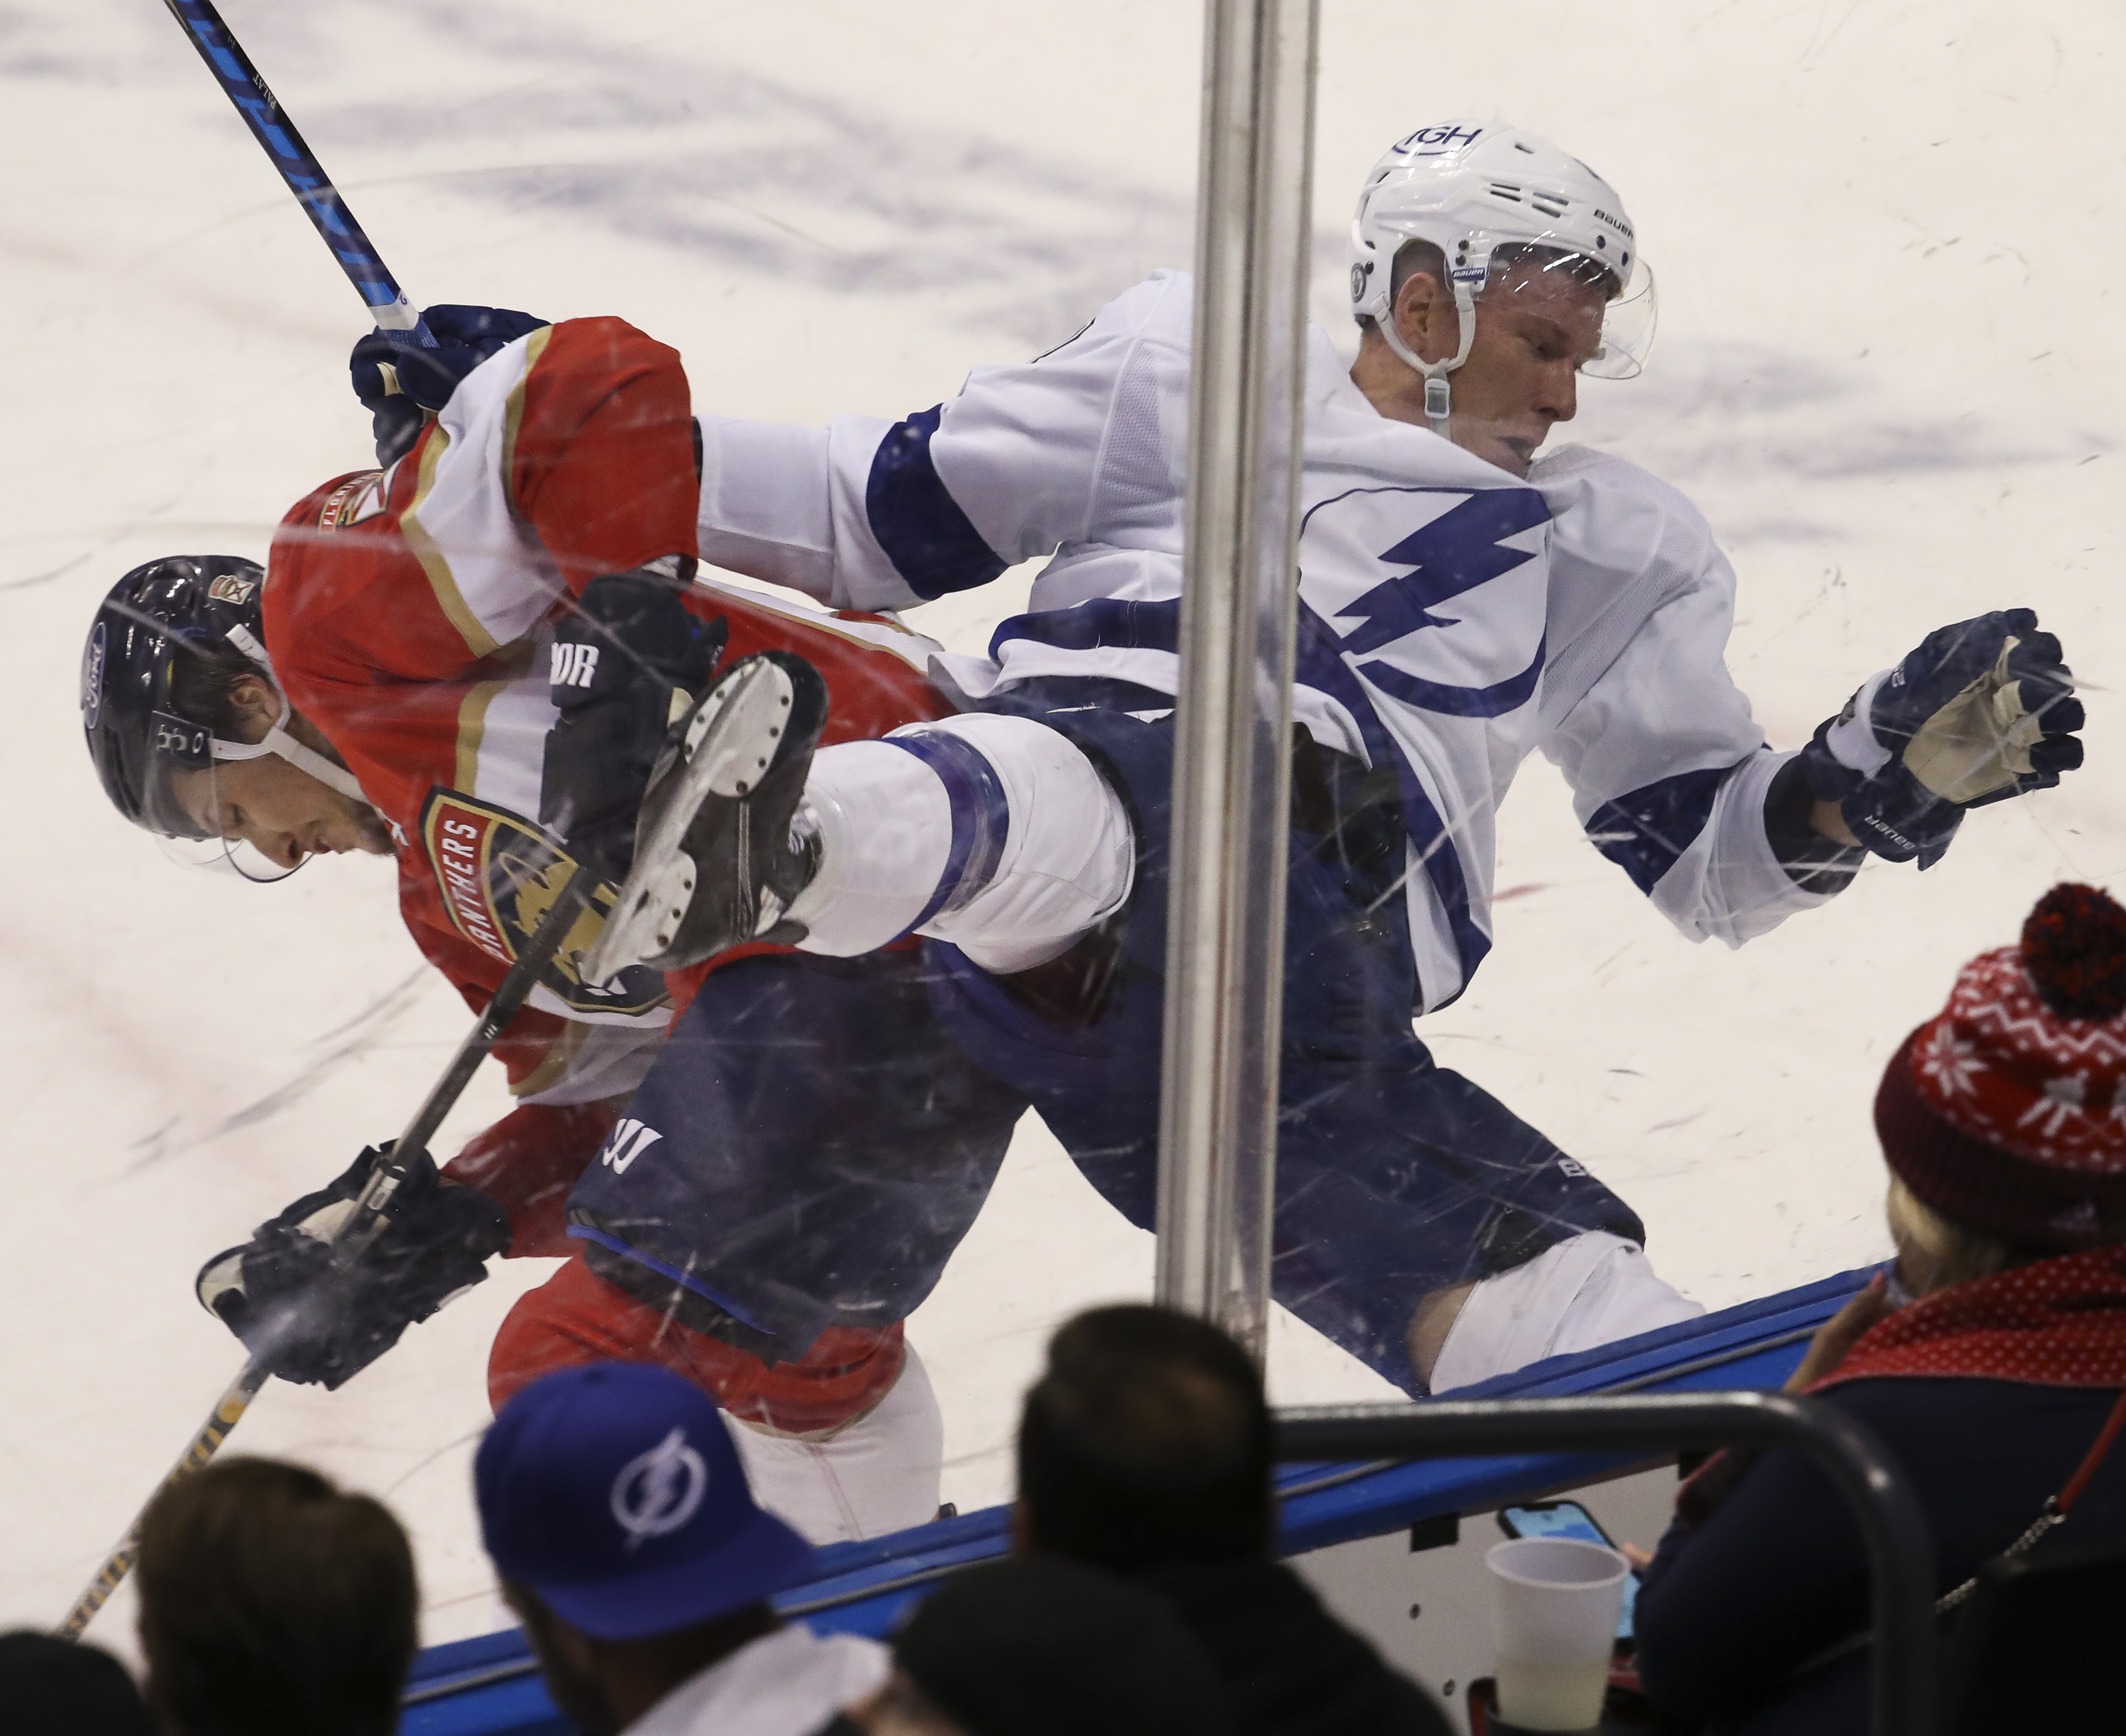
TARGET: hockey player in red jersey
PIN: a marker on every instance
(468, 660)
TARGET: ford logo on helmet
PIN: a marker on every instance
(92, 678)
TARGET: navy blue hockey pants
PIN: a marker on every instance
(1396, 1177)
(827, 1130)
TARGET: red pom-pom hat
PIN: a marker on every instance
(2006, 1114)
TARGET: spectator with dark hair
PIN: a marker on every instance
(1991, 1363)
(1040, 1646)
(271, 1602)
(60, 1687)
(613, 1504)
(1145, 1448)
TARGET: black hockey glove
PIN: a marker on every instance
(320, 1322)
(403, 383)
(630, 659)
(1982, 711)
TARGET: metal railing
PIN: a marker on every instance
(1225, 960)
(1899, 1553)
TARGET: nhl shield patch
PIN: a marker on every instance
(499, 875)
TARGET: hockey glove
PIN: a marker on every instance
(1982, 711)
(403, 383)
(318, 1321)
(629, 660)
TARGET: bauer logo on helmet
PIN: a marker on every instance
(188, 743)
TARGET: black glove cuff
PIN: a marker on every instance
(1897, 818)
(468, 1224)
(1829, 779)
(1814, 863)
(630, 632)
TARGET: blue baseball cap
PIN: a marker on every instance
(614, 1492)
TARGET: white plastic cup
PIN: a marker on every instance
(1554, 1602)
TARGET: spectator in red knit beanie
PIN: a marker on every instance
(1990, 1360)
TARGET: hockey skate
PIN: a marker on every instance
(715, 866)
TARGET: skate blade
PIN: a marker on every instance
(728, 747)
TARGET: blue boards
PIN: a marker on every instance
(490, 1687)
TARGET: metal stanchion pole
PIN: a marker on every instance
(1232, 760)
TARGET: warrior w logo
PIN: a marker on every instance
(626, 1142)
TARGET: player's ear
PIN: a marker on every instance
(255, 700)
(1424, 317)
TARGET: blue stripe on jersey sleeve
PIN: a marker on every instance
(1645, 832)
(1113, 623)
(932, 543)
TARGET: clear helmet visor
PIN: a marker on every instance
(1568, 280)
(1628, 329)
(229, 858)
(181, 804)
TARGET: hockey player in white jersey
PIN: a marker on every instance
(1462, 604)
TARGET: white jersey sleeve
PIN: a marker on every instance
(869, 514)
(1668, 770)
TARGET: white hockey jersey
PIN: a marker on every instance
(1452, 618)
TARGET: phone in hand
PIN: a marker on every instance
(1568, 1519)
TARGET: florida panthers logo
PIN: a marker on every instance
(499, 875)
(1438, 595)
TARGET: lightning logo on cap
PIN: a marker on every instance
(658, 1491)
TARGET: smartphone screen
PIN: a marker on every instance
(1568, 1519)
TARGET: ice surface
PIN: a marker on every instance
(1889, 374)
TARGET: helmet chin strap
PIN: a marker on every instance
(1438, 392)
(277, 739)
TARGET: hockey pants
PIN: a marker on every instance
(1395, 1177)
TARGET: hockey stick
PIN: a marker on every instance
(368, 1220)
(306, 179)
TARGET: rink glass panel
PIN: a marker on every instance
(1871, 377)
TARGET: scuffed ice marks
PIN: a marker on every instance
(736, 172)
(1762, 438)
(34, 45)
(327, 1055)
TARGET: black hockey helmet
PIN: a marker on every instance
(181, 606)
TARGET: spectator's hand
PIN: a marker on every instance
(1641, 1560)
(1838, 1335)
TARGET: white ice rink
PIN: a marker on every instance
(1889, 369)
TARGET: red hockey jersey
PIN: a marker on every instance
(408, 613)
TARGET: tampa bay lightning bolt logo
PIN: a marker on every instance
(1456, 624)
(658, 1491)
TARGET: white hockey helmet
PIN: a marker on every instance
(1470, 188)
